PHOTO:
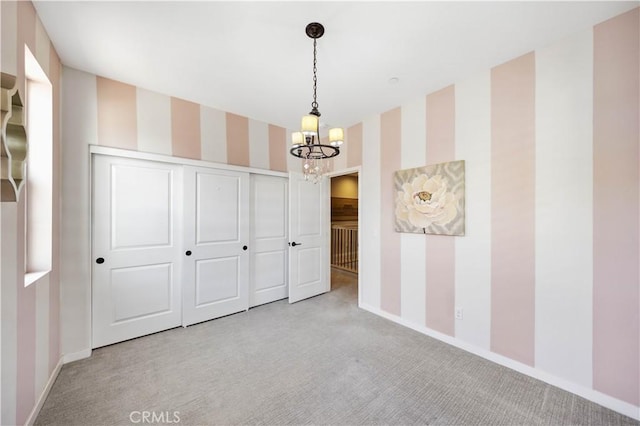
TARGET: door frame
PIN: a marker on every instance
(344, 172)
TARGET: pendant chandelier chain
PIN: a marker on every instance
(314, 104)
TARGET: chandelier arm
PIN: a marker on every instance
(315, 151)
(333, 151)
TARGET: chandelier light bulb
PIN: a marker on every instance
(297, 139)
(336, 136)
(309, 125)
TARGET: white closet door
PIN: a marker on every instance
(136, 248)
(309, 224)
(268, 239)
(216, 238)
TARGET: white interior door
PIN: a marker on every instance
(136, 248)
(216, 238)
(309, 224)
(269, 238)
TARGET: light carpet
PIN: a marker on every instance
(319, 361)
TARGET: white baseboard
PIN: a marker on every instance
(75, 356)
(45, 393)
(52, 378)
(587, 393)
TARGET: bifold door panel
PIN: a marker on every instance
(216, 236)
(136, 248)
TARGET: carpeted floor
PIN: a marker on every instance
(319, 361)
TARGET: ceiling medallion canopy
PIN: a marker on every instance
(306, 144)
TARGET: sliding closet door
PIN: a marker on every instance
(269, 277)
(216, 238)
(136, 252)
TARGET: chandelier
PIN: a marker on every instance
(307, 144)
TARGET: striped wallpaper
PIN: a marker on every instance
(547, 274)
(30, 315)
(440, 250)
(137, 119)
(513, 175)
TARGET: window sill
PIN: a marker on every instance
(32, 277)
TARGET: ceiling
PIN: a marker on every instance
(254, 58)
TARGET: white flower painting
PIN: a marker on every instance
(430, 199)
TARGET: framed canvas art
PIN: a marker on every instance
(430, 199)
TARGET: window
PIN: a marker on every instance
(39, 175)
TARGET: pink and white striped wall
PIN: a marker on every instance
(136, 119)
(30, 333)
(547, 274)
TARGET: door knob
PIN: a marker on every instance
(293, 244)
(244, 248)
(188, 252)
(100, 260)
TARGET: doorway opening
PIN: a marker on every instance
(344, 256)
